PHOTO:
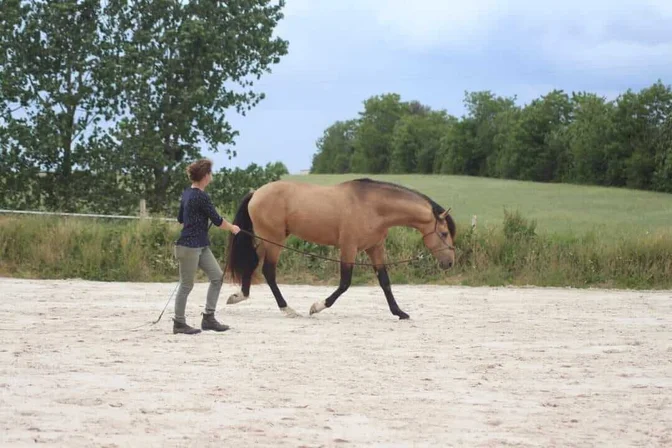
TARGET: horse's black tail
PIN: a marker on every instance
(242, 255)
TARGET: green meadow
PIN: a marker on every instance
(556, 208)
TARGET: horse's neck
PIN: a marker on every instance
(405, 212)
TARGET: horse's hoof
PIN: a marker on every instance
(317, 307)
(236, 298)
(288, 312)
(403, 315)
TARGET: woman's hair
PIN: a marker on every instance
(199, 169)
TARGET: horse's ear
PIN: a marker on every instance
(444, 214)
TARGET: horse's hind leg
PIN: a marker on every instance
(377, 256)
(268, 269)
(348, 255)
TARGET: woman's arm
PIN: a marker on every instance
(216, 219)
(180, 214)
(211, 212)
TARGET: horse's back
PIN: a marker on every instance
(302, 191)
(310, 211)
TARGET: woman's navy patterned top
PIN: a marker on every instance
(195, 210)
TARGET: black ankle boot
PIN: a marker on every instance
(210, 323)
(183, 328)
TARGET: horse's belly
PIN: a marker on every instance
(314, 232)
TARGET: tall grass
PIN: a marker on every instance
(513, 253)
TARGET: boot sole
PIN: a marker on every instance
(194, 331)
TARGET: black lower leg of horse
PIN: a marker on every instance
(343, 285)
(269, 273)
(384, 281)
(246, 284)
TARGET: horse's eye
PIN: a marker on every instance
(444, 235)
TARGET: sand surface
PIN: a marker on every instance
(477, 367)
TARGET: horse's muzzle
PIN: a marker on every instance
(445, 265)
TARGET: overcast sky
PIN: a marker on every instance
(342, 52)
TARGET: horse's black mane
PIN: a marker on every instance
(436, 208)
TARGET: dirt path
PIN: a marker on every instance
(473, 367)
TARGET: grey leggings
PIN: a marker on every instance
(191, 258)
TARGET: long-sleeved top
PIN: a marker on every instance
(196, 209)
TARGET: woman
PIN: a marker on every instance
(192, 249)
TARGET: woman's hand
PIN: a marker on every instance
(230, 227)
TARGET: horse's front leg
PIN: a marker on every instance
(377, 256)
(348, 255)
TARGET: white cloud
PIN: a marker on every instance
(597, 34)
(663, 7)
(624, 57)
(427, 23)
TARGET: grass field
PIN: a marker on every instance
(550, 235)
(558, 208)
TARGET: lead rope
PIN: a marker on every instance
(308, 254)
(305, 253)
(322, 257)
(147, 324)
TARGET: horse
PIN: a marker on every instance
(353, 216)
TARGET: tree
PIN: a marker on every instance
(537, 148)
(662, 177)
(230, 185)
(181, 62)
(471, 147)
(55, 90)
(590, 137)
(373, 141)
(484, 108)
(555, 138)
(456, 149)
(416, 140)
(335, 148)
(639, 122)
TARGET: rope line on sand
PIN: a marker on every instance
(304, 253)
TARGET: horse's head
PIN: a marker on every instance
(440, 240)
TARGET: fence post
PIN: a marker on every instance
(143, 208)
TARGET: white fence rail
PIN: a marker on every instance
(84, 215)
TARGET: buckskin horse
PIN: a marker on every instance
(353, 216)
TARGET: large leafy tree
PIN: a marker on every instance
(662, 177)
(536, 149)
(335, 148)
(590, 138)
(486, 110)
(55, 91)
(185, 65)
(373, 141)
(639, 123)
(106, 100)
(472, 146)
(416, 141)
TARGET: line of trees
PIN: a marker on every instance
(577, 138)
(103, 102)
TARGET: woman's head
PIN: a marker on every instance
(200, 172)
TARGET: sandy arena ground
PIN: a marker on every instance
(473, 367)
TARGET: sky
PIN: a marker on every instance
(343, 52)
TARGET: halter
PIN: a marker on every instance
(435, 231)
